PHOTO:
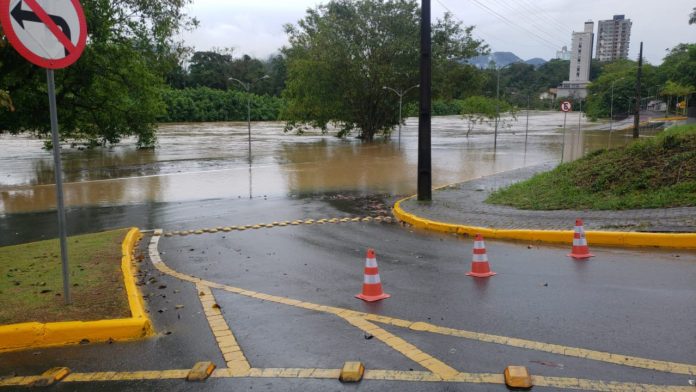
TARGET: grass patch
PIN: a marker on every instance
(652, 173)
(31, 283)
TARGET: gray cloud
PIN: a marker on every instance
(529, 28)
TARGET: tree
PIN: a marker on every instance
(679, 65)
(210, 69)
(452, 44)
(342, 54)
(676, 90)
(692, 17)
(622, 75)
(478, 109)
(114, 89)
(6, 101)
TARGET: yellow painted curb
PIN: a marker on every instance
(31, 335)
(610, 238)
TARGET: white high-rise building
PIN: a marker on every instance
(613, 38)
(580, 61)
(563, 54)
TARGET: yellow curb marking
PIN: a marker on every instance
(612, 238)
(33, 334)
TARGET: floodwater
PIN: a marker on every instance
(210, 161)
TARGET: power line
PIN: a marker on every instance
(552, 37)
(541, 13)
(511, 23)
(486, 37)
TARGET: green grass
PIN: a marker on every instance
(31, 283)
(652, 173)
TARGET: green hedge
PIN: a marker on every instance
(206, 104)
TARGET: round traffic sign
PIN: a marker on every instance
(566, 106)
(49, 33)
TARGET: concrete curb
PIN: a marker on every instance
(608, 238)
(30, 335)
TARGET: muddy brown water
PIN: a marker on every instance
(210, 160)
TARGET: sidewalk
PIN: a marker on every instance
(463, 204)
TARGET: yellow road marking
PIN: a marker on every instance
(374, 375)
(229, 347)
(361, 319)
(439, 368)
(278, 224)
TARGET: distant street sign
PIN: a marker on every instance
(49, 33)
(566, 106)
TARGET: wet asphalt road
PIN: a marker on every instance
(632, 302)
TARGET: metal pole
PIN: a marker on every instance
(636, 118)
(401, 96)
(565, 115)
(249, 118)
(58, 168)
(611, 113)
(424, 120)
(526, 128)
(497, 112)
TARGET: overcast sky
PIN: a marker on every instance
(528, 28)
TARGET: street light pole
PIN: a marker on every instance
(497, 106)
(400, 94)
(247, 88)
(497, 111)
(611, 110)
(526, 128)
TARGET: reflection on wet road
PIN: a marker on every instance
(209, 161)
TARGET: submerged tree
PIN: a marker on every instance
(343, 53)
(478, 109)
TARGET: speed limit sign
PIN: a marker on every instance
(566, 106)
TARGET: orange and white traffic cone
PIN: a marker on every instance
(580, 249)
(372, 285)
(479, 264)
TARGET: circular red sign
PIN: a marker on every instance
(566, 106)
(7, 9)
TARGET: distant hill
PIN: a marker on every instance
(502, 59)
(536, 62)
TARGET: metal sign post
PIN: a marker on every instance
(58, 169)
(51, 35)
(566, 106)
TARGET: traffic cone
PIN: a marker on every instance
(372, 286)
(479, 264)
(580, 249)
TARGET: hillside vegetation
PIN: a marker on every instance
(652, 173)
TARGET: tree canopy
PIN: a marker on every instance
(114, 89)
(344, 52)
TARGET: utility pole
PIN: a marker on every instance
(424, 118)
(497, 110)
(636, 117)
(526, 128)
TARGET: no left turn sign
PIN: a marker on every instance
(49, 33)
(566, 106)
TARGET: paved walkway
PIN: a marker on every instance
(464, 204)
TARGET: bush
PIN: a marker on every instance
(206, 104)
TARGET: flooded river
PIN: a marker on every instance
(210, 161)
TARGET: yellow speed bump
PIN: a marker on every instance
(352, 372)
(517, 377)
(200, 371)
(50, 377)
